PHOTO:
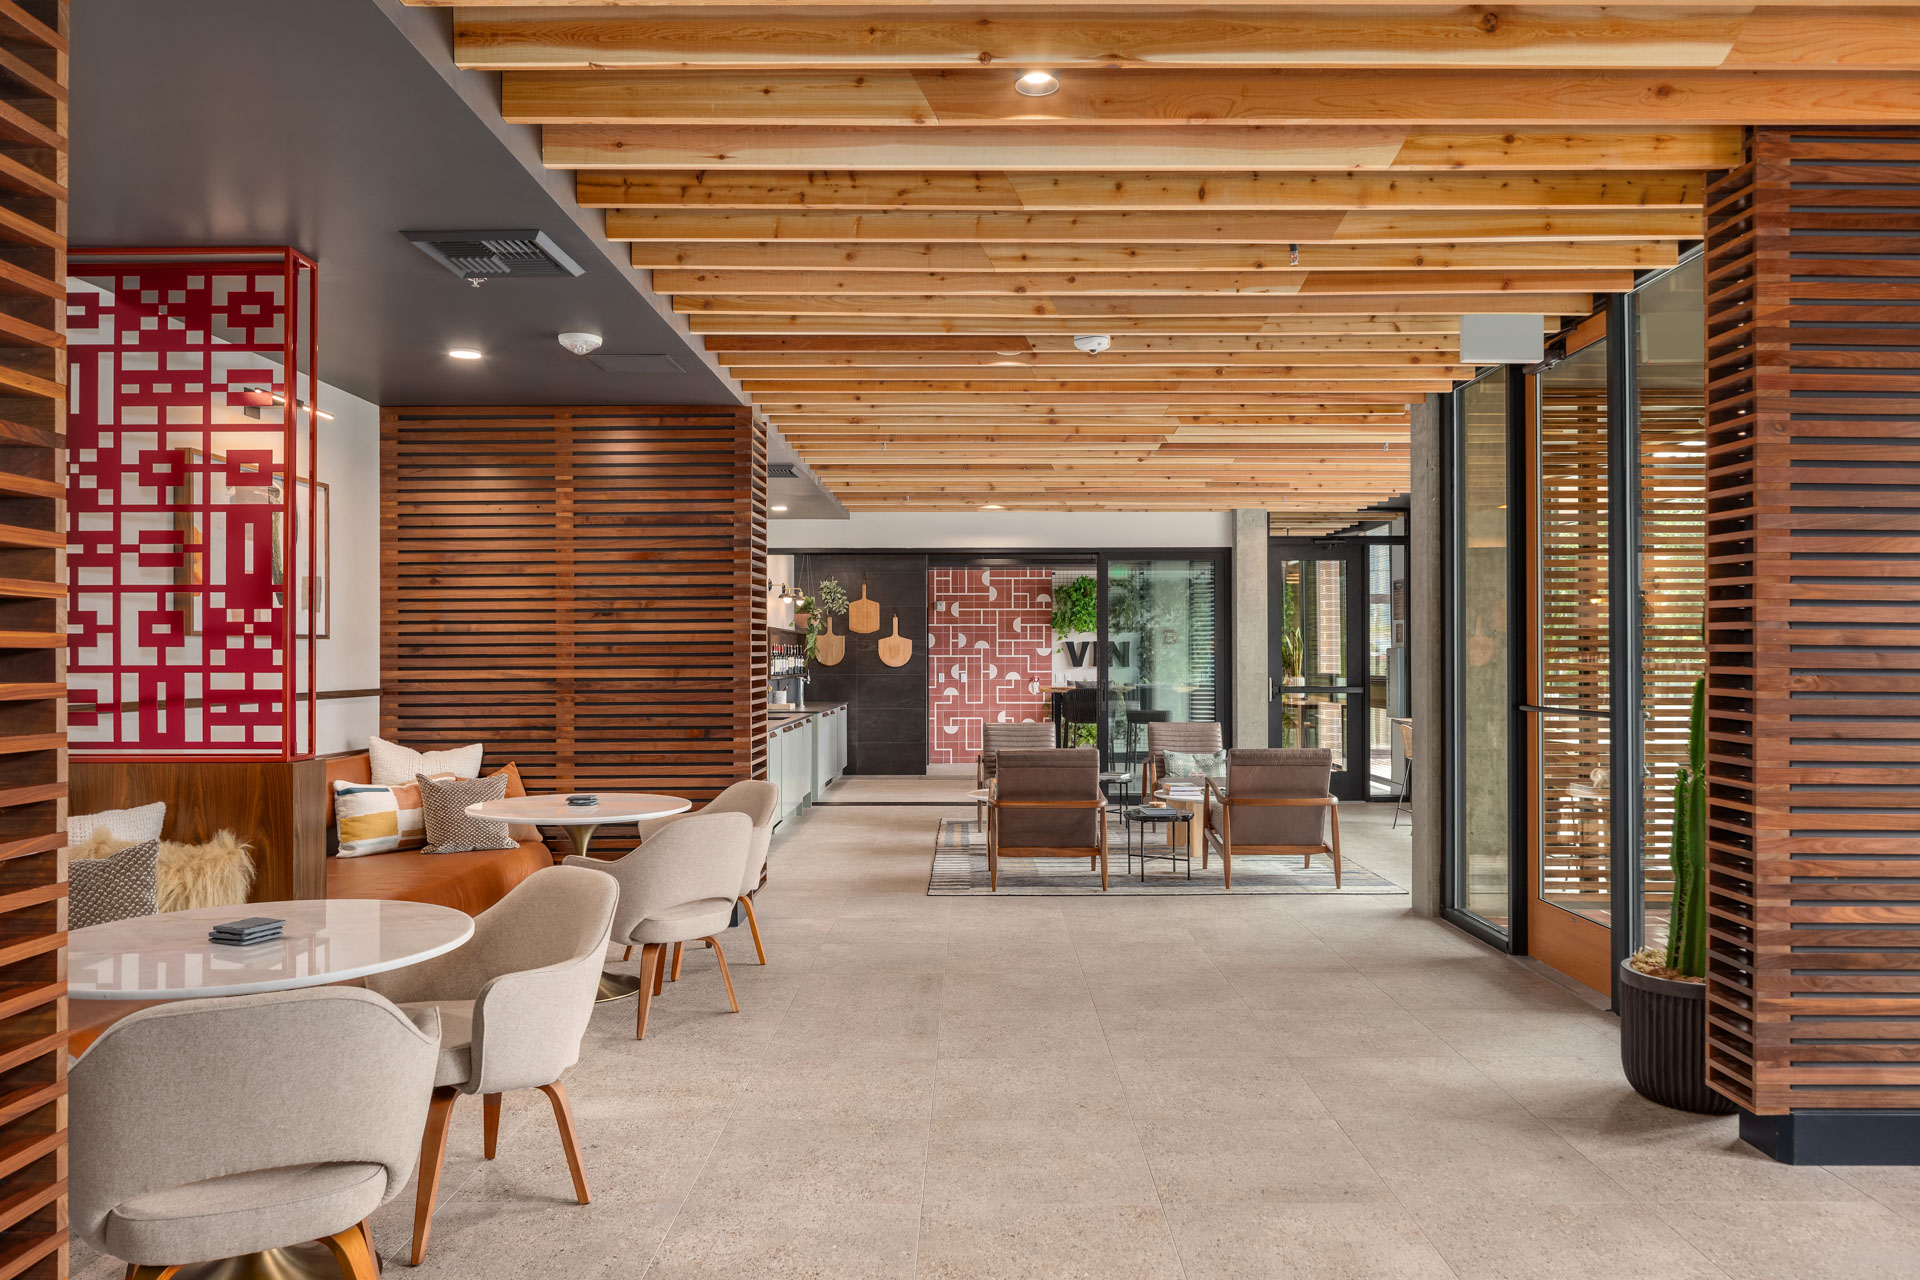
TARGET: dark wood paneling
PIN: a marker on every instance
(33, 573)
(1813, 595)
(582, 589)
(886, 706)
(277, 806)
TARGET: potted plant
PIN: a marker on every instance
(1663, 993)
(803, 616)
(1076, 610)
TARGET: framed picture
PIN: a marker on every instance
(314, 503)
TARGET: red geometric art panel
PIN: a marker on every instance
(989, 654)
(189, 497)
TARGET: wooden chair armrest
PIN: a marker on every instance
(1049, 804)
(1278, 802)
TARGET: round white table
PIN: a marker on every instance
(168, 957)
(581, 821)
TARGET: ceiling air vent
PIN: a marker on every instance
(635, 362)
(782, 471)
(475, 256)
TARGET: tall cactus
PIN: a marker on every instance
(1687, 924)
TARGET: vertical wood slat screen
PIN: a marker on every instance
(1813, 544)
(1571, 463)
(33, 891)
(1672, 590)
(581, 589)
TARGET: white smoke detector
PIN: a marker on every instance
(1093, 343)
(581, 344)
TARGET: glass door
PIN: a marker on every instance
(1318, 626)
(1163, 656)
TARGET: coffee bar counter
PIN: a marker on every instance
(806, 752)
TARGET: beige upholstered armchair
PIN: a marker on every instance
(209, 1129)
(1276, 800)
(1196, 737)
(680, 886)
(760, 801)
(513, 1004)
(1048, 804)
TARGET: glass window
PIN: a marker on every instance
(1570, 557)
(1670, 366)
(1163, 649)
(1483, 862)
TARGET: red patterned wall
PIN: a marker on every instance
(989, 655)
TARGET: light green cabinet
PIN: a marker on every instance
(806, 757)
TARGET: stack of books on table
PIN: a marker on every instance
(246, 933)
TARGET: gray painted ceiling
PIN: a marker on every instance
(333, 126)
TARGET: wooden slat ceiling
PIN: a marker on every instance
(1278, 212)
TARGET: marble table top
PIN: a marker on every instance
(614, 806)
(168, 957)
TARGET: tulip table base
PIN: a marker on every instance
(617, 986)
(310, 1261)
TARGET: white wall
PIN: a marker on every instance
(349, 657)
(1004, 530)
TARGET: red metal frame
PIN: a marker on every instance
(296, 269)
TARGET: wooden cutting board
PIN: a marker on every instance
(863, 615)
(895, 649)
(829, 648)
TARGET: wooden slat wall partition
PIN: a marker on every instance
(582, 589)
(33, 757)
(1571, 549)
(1813, 590)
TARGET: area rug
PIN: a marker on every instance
(960, 870)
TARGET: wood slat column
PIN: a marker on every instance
(581, 589)
(1813, 323)
(33, 574)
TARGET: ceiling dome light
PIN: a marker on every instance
(1037, 84)
(778, 508)
(464, 353)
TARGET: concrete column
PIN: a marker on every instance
(1425, 651)
(1250, 533)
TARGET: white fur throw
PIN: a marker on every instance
(215, 874)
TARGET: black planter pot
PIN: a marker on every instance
(1663, 1042)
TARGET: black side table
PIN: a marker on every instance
(1177, 851)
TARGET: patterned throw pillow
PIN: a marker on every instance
(119, 887)
(1185, 764)
(450, 829)
(376, 819)
(392, 765)
(130, 825)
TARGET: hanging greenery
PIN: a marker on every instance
(832, 597)
(1076, 609)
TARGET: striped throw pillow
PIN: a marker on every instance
(376, 819)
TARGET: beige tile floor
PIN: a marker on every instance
(1161, 1087)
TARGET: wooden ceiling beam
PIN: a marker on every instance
(1165, 326)
(1271, 192)
(1499, 255)
(1153, 284)
(822, 402)
(1078, 231)
(1167, 148)
(1103, 371)
(1094, 98)
(1386, 37)
(1439, 361)
(1341, 336)
(793, 306)
(827, 391)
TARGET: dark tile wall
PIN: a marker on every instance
(887, 706)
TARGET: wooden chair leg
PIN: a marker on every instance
(993, 854)
(651, 955)
(563, 1116)
(660, 969)
(1333, 812)
(753, 927)
(433, 1158)
(725, 977)
(490, 1122)
(628, 954)
(151, 1273)
(679, 951)
(350, 1248)
(1103, 853)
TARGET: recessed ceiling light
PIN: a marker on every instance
(1037, 84)
(779, 508)
(464, 353)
